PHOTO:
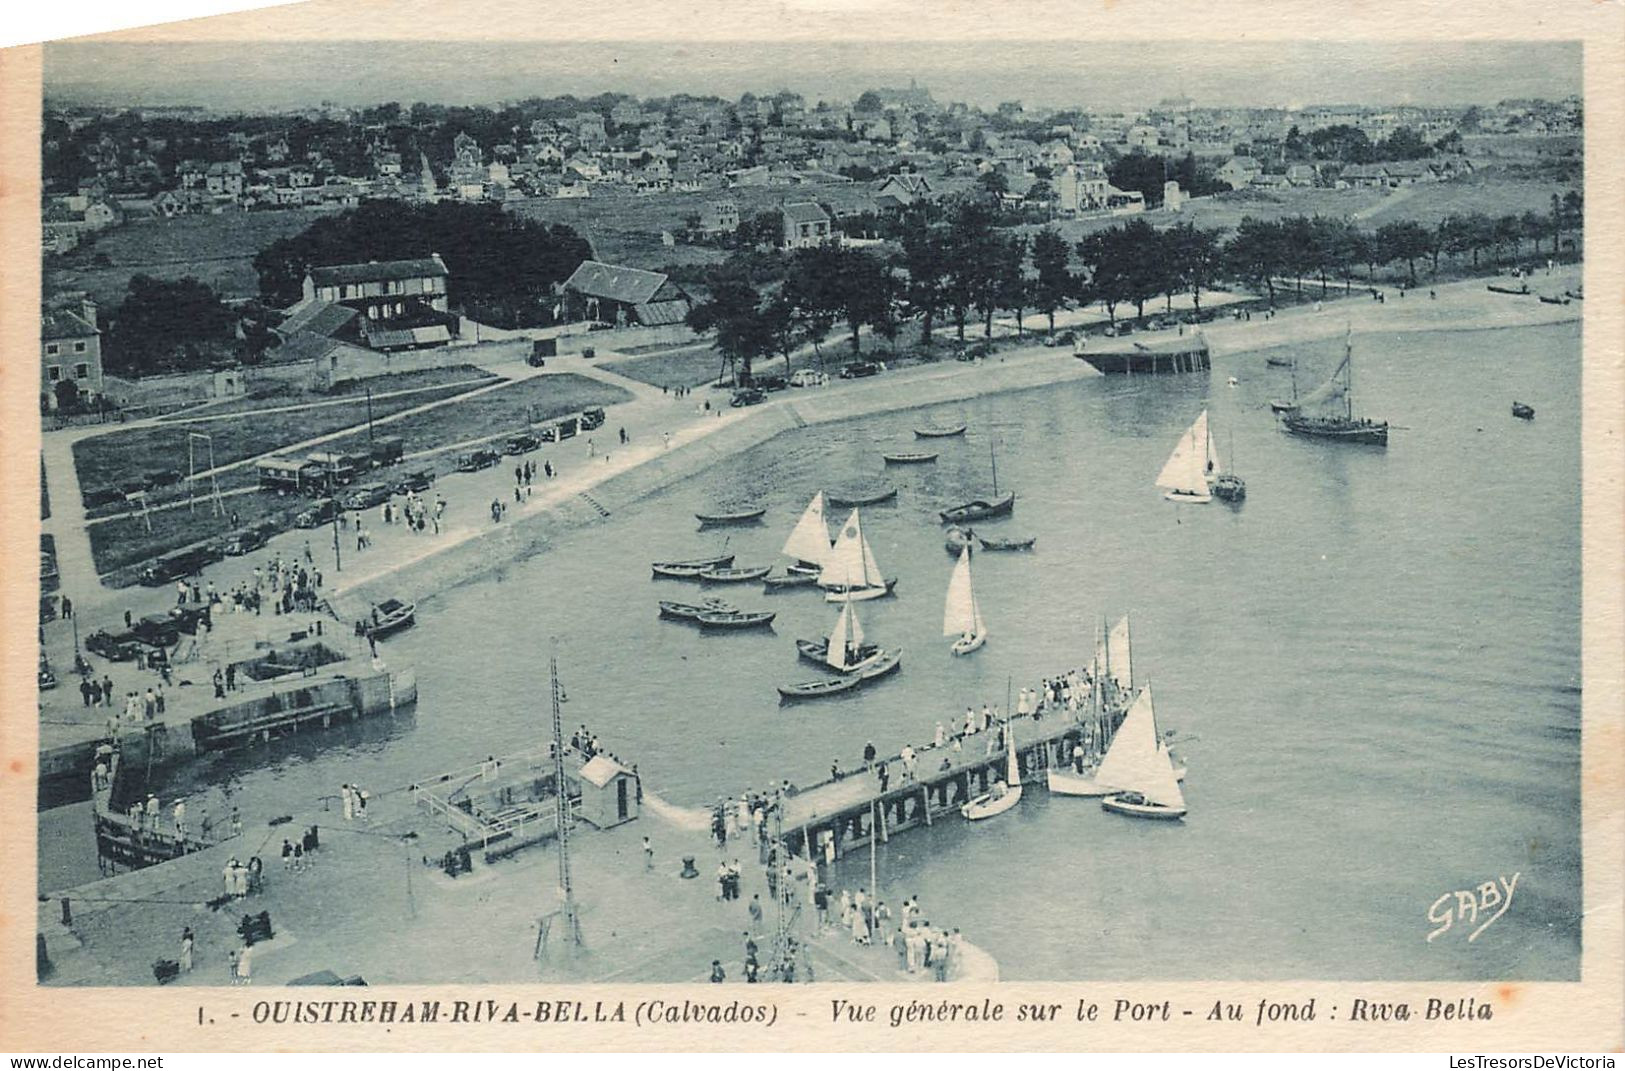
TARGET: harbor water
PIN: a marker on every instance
(1373, 664)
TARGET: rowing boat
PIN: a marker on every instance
(858, 498)
(979, 508)
(740, 575)
(734, 619)
(1007, 544)
(939, 433)
(789, 580)
(908, 458)
(878, 665)
(817, 651)
(690, 611)
(692, 567)
(737, 517)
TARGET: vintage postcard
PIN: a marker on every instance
(816, 526)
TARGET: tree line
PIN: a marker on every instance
(959, 269)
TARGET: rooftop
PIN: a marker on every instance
(379, 271)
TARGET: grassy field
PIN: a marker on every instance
(121, 455)
(275, 395)
(120, 546)
(218, 250)
(690, 366)
(506, 410)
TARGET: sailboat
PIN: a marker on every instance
(1318, 416)
(850, 572)
(1139, 768)
(1111, 676)
(1184, 476)
(979, 508)
(1226, 485)
(1006, 793)
(855, 662)
(809, 542)
(962, 617)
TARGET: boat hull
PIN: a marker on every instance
(721, 620)
(1229, 488)
(816, 651)
(989, 806)
(1283, 407)
(790, 580)
(863, 594)
(688, 611)
(734, 576)
(1155, 811)
(979, 509)
(907, 459)
(1188, 496)
(963, 646)
(719, 519)
(1338, 431)
(853, 501)
(1068, 783)
(690, 569)
(1007, 544)
(939, 433)
(880, 665)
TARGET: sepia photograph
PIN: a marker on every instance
(828, 511)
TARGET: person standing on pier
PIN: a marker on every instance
(909, 771)
(755, 911)
(152, 812)
(970, 721)
(941, 737)
(882, 923)
(349, 801)
(718, 975)
(883, 772)
(648, 855)
(180, 818)
(869, 755)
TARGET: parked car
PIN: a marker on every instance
(180, 564)
(415, 480)
(386, 450)
(558, 431)
(367, 496)
(119, 648)
(540, 350)
(808, 377)
(770, 383)
(748, 396)
(247, 539)
(522, 443)
(859, 369)
(102, 496)
(321, 513)
(475, 460)
(592, 418)
(157, 630)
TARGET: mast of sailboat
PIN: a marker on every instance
(1348, 372)
(994, 457)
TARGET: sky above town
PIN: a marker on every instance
(1102, 75)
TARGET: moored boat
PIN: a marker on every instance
(691, 568)
(956, 539)
(731, 575)
(789, 579)
(391, 616)
(817, 651)
(939, 432)
(844, 652)
(808, 544)
(1184, 476)
(1522, 411)
(1318, 417)
(690, 611)
(850, 573)
(1140, 767)
(735, 619)
(855, 593)
(980, 509)
(907, 457)
(744, 516)
(1007, 544)
(852, 499)
(1006, 793)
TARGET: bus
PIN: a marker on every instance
(288, 477)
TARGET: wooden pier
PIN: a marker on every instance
(853, 809)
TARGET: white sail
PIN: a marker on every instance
(1134, 762)
(960, 616)
(1329, 391)
(1119, 660)
(809, 540)
(845, 565)
(1186, 468)
(846, 633)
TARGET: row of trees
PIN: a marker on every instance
(965, 269)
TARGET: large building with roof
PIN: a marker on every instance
(382, 304)
(70, 355)
(610, 293)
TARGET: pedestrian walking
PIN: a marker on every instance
(755, 911)
(236, 823)
(648, 855)
(187, 941)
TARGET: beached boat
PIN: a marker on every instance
(1278, 362)
(1007, 792)
(851, 574)
(1007, 544)
(692, 568)
(1184, 476)
(939, 432)
(980, 508)
(690, 611)
(744, 516)
(1563, 300)
(956, 539)
(1140, 767)
(391, 616)
(961, 614)
(735, 619)
(852, 499)
(730, 575)
(1522, 411)
(906, 457)
(1319, 417)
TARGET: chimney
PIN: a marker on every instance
(88, 310)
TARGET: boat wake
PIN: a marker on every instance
(691, 818)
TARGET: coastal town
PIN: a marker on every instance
(447, 502)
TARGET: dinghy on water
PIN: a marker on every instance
(939, 433)
(1006, 793)
(1138, 766)
(740, 575)
(957, 539)
(808, 548)
(690, 611)
(1184, 476)
(981, 508)
(851, 499)
(962, 616)
(692, 568)
(850, 572)
(908, 458)
(845, 653)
